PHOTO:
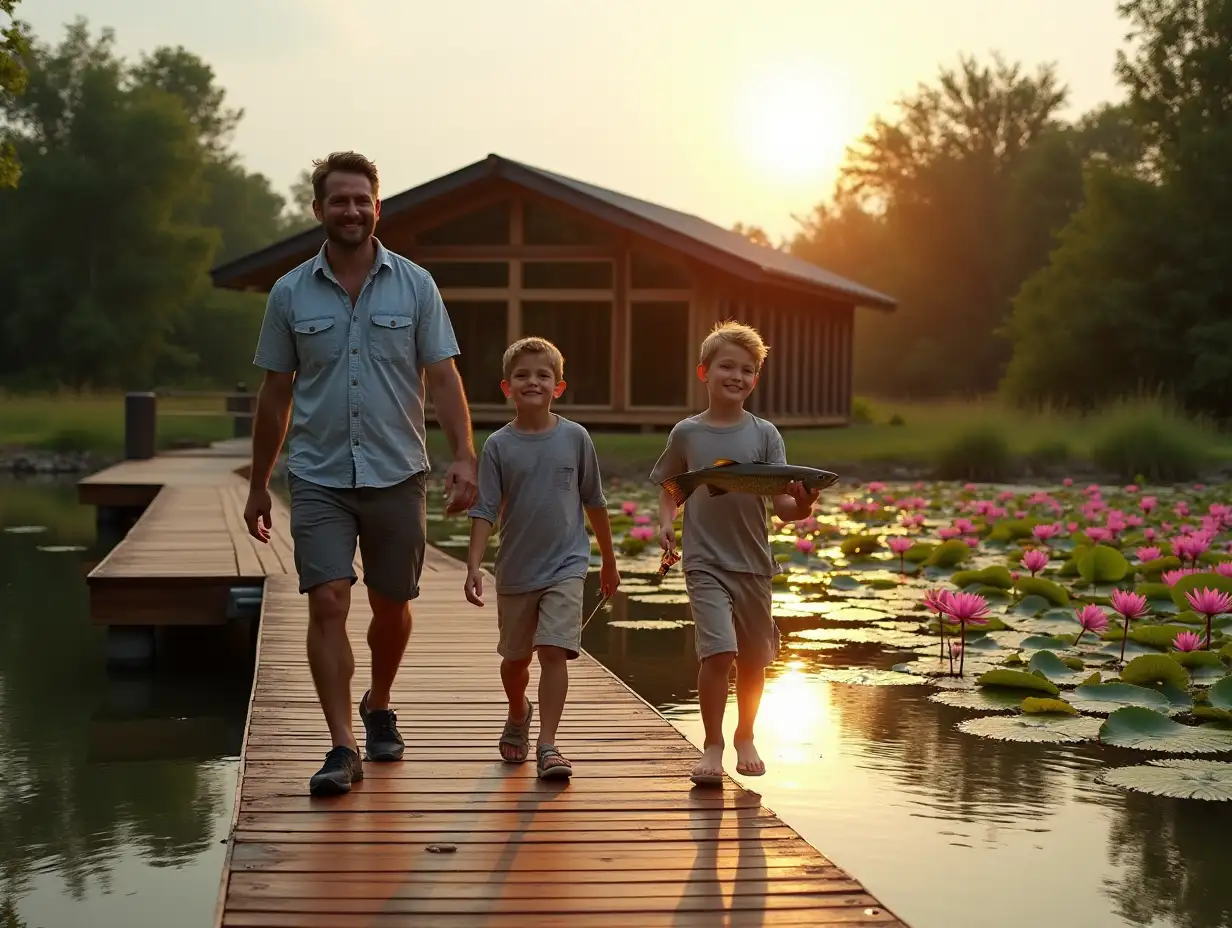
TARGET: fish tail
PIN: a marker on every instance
(679, 488)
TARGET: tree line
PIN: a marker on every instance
(120, 191)
(1061, 261)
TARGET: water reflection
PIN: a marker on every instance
(118, 789)
(946, 829)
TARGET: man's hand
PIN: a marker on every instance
(667, 537)
(258, 513)
(609, 578)
(473, 587)
(461, 486)
(803, 499)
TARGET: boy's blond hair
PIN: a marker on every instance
(533, 344)
(734, 333)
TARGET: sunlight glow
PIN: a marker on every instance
(791, 122)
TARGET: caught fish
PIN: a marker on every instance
(760, 479)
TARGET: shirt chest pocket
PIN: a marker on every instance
(391, 338)
(316, 342)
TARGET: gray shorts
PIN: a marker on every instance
(389, 522)
(551, 616)
(732, 613)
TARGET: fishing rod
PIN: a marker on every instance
(669, 558)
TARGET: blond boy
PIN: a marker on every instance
(727, 561)
(539, 475)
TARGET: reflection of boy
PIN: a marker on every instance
(537, 474)
(728, 565)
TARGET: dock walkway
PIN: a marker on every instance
(451, 836)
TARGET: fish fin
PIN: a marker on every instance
(715, 491)
(723, 462)
(678, 488)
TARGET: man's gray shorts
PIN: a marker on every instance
(389, 522)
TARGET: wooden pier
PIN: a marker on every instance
(451, 836)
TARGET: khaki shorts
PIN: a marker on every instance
(551, 616)
(732, 613)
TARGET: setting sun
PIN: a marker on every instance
(791, 123)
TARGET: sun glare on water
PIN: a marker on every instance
(790, 121)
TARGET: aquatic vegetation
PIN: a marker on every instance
(1067, 613)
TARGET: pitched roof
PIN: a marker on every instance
(682, 232)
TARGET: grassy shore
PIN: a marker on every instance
(967, 439)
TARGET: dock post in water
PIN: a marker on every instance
(140, 426)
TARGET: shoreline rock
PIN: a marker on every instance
(31, 461)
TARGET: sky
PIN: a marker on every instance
(736, 111)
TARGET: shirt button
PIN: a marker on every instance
(312, 328)
(355, 412)
(354, 351)
(355, 441)
(355, 318)
(355, 383)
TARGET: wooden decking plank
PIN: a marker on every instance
(628, 841)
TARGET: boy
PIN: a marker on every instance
(727, 561)
(538, 474)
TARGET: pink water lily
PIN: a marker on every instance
(1170, 577)
(1224, 568)
(938, 601)
(900, 545)
(1035, 560)
(1131, 606)
(968, 608)
(804, 545)
(1147, 503)
(1148, 554)
(1187, 641)
(1092, 619)
(628, 507)
(1045, 531)
(1209, 603)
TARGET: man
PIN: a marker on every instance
(348, 339)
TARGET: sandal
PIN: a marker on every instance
(518, 735)
(560, 771)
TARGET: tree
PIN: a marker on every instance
(14, 45)
(298, 214)
(926, 199)
(1137, 289)
(99, 249)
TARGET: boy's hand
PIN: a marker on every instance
(473, 587)
(667, 537)
(609, 578)
(804, 498)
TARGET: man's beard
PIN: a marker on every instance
(341, 238)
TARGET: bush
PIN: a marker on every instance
(1049, 453)
(979, 453)
(1151, 441)
(862, 411)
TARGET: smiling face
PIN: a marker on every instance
(532, 382)
(730, 376)
(347, 208)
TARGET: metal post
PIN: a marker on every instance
(140, 425)
(240, 405)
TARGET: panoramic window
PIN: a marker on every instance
(582, 330)
(481, 330)
(649, 272)
(486, 226)
(542, 225)
(658, 354)
(567, 275)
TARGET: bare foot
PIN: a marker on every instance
(748, 761)
(709, 770)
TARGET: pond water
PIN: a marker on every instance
(119, 789)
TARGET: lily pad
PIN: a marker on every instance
(1155, 668)
(24, 529)
(1148, 730)
(948, 554)
(1102, 564)
(1017, 679)
(1038, 586)
(1040, 705)
(1031, 605)
(60, 549)
(648, 624)
(1220, 695)
(1050, 666)
(990, 699)
(1210, 780)
(1105, 698)
(996, 576)
(1045, 642)
(868, 676)
(844, 582)
(1046, 729)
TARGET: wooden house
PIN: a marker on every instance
(626, 288)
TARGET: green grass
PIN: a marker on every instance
(931, 434)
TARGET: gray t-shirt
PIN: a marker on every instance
(538, 484)
(728, 532)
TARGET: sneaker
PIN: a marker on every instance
(383, 741)
(342, 768)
